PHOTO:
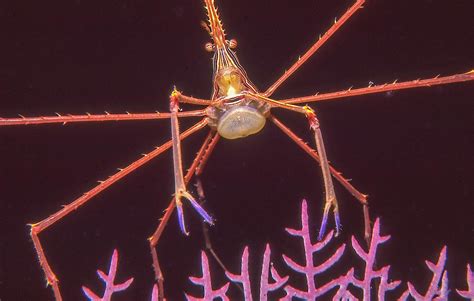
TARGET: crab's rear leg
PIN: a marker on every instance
(318, 44)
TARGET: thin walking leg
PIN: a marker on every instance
(64, 119)
(331, 200)
(155, 237)
(39, 227)
(205, 231)
(180, 185)
(468, 76)
(207, 154)
(362, 198)
(205, 228)
(320, 42)
(202, 200)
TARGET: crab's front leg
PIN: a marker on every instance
(180, 185)
(331, 200)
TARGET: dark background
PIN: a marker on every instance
(411, 151)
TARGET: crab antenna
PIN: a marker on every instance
(215, 24)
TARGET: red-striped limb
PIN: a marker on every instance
(39, 227)
(330, 194)
(197, 165)
(371, 89)
(362, 198)
(318, 44)
(69, 118)
(180, 186)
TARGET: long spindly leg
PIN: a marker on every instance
(331, 201)
(362, 198)
(320, 42)
(39, 227)
(330, 196)
(155, 237)
(456, 78)
(205, 230)
(180, 186)
(202, 199)
(64, 119)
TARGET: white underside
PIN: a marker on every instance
(240, 122)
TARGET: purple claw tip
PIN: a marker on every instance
(181, 222)
(207, 218)
(322, 230)
(338, 223)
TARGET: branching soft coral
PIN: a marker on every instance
(109, 280)
(345, 286)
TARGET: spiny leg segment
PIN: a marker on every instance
(371, 89)
(341, 94)
(196, 167)
(289, 104)
(39, 227)
(362, 198)
(180, 185)
(331, 200)
(318, 44)
(330, 195)
(69, 118)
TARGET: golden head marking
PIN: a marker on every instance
(230, 77)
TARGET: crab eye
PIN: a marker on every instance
(232, 43)
(209, 47)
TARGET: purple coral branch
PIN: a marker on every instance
(154, 293)
(244, 277)
(108, 279)
(385, 285)
(469, 293)
(265, 286)
(370, 273)
(309, 269)
(206, 282)
(435, 291)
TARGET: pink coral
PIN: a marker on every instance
(109, 280)
(346, 286)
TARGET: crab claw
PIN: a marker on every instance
(179, 205)
(182, 224)
(337, 221)
(207, 218)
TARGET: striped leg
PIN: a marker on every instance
(371, 89)
(180, 185)
(362, 198)
(155, 237)
(320, 42)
